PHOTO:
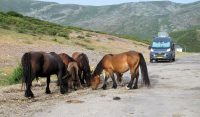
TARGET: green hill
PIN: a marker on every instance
(141, 19)
(24, 24)
(188, 39)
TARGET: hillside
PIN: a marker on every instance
(189, 39)
(19, 34)
(142, 19)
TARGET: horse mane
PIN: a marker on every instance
(99, 68)
(85, 62)
(110, 54)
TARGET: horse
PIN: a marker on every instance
(121, 63)
(74, 81)
(41, 64)
(84, 67)
(73, 68)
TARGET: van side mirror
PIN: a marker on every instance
(149, 47)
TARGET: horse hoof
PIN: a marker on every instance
(114, 87)
(48, 92)
(135, 87)
(128, 88)
(104, 87)
(63, 91)
(29, 96)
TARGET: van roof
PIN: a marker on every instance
(165, 39)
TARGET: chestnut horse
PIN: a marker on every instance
(84, 67)
(72, 67)
(120, 63)
(41, 64)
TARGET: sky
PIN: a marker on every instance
(109, 2)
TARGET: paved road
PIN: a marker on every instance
(174, 92)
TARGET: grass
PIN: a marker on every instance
(86, 46)
(23, 24)
(13, 78)
(57, 40)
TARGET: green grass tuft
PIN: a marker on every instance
(14, 77)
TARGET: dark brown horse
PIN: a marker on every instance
(41, 64)
(74, 81)
(72, 67)
(84, 67)
(120, 63)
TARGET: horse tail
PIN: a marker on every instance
(26, 65)
(144, 70)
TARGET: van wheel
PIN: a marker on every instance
(173, 59)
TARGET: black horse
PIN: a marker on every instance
(41, 64)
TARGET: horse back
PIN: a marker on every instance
(45, 64)
(82, 60)
(120, 62)
(66, 58)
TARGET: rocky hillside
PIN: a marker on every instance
(143, 19)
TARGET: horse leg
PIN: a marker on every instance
(105, 83)
(114, 82)
(63, 83)
(47, 88)
(81, 78)
(136, 81)
(87, 78)
(131, 81)
(28, 92)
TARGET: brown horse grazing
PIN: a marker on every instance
(41, 64)
(120, 63)
(74, 81)
(84, 67)
(73, 68)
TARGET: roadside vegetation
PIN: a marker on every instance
(13, 78)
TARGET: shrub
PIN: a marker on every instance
(13, 13)
(52, 32)
(63, 34)
(81, 37)
(21, 30)
(15, 76)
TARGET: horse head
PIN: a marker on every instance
(95, 81)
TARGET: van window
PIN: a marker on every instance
(161, 44)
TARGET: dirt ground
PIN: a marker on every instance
(174, 92)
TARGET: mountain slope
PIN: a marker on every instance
(188, 39)
(143, 19)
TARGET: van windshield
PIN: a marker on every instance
(161, 43)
